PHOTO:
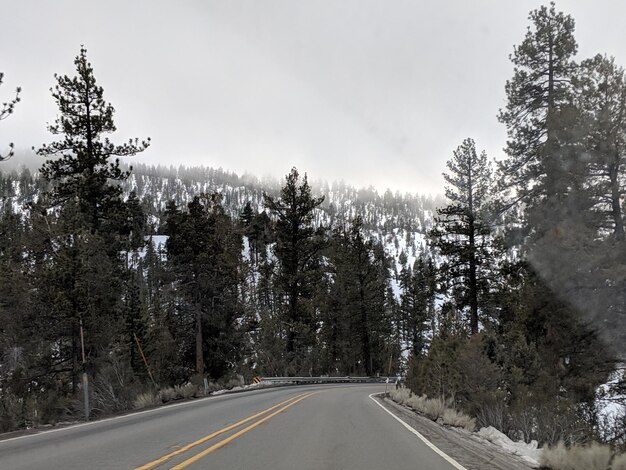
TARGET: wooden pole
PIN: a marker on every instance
(144, 360)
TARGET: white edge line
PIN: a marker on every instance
(441, 453)
(115, 418)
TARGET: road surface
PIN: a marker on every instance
(309, 427)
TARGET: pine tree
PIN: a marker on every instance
(600, 290)
(601, 95)
(297, 249)
(82, 274)
(18, 344)
(356, 326)
(417, 302)
(160, 344)
(462, 230)
(204, 254)
(81, 168)
(539, 112)
(247, 215)
(6, 110)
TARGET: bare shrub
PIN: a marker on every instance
(592, 457)
(146, 400)
(106, 396)
(11, 416)
(551, 422)
(234, 382)
(491, 410)
(114, 387)
(523, 424)
(213, 387)
(458, 419)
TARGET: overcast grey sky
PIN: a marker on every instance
(370, 92)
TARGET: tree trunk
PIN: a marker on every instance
(365, 338)
(199, 349)
(473, 287)
(616, 209)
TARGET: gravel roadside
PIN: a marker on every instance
(468, 450)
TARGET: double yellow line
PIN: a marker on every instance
(279, 408)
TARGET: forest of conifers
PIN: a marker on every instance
(513, 307)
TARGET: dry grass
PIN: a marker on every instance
(591, 457)
(168, 394)
(188, 390)
(619, 463)
(458, 420)
(213, 387)
(145, 400)
(400, 395)
(234, 382)
(417, 403)
(433, 408)
(165, 395)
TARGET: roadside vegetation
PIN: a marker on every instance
(578, 457)
(435, 409)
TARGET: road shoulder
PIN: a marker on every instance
(462, 446)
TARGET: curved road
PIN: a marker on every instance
(311, 427)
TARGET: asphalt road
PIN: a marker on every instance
(312, 427)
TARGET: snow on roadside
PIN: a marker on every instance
(610, 404)
(529, 452)
(238, 388)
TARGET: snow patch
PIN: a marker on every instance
(610, 404)
(529, 452)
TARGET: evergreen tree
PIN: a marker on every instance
(247, 215)
(601, 95)
(160, 343)
(80, 168)
(417, 302)
(462, 231)
(538, 111)
(6, 110)
(82, 274)
(204, 254)
(548, 351)
(356, 327)
(297, 248)
(18, 347)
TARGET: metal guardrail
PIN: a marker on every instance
(325, 380)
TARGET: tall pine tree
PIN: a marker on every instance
(297, 249)
(204, 255)
(538, 113)
(462, 230)
(83, 270)
(78, 165)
